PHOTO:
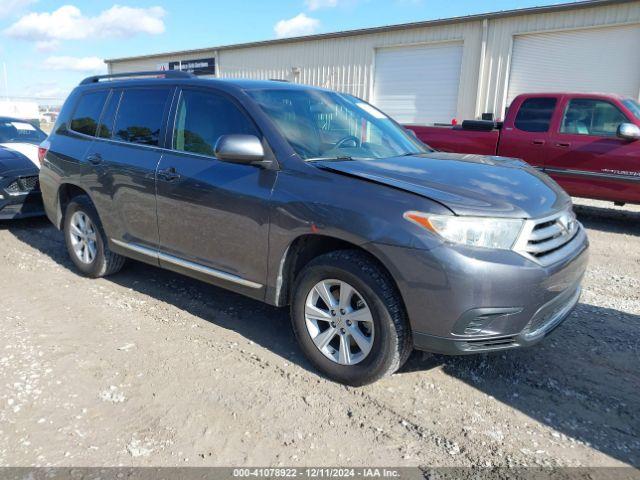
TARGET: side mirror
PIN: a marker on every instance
(628, 131)
(243, 149)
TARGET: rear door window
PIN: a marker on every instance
(203, 117)
(139, 117)
(87, 113)
(535, 114)
(586, 116)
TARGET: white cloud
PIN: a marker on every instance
(77, 64)
(296, 26)
(68, 23)
(317, 4)
(11, 7)
(47, 45)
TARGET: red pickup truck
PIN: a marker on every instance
(588, 143)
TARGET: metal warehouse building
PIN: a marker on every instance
(433, 71)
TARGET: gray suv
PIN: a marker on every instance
(305, 197)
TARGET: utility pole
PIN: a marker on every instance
(6, 84)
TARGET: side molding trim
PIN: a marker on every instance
(212, 272)
(630, 177)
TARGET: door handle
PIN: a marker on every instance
(94, 158)
(563, 144)
(170, 174)
(538, 142)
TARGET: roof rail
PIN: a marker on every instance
(279, 80)
(161, 73)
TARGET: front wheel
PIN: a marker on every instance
(349, 319)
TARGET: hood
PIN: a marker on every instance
(466, 184)
(18, 156)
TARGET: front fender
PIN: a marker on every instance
(351, 210)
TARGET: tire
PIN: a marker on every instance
(103, 262)
(389, 341)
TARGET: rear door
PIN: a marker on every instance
(125, 156)
(213, 216)
(525, 134)
(586, 157)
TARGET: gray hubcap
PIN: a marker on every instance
(339, 322)
(83, 237)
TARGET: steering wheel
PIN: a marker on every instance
(342, 141)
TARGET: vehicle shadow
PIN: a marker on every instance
(221, 307)
(583, 381)
(609, 219)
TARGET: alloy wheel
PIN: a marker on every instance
(83, 237)
(339, 322)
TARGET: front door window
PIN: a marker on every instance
(585, 116)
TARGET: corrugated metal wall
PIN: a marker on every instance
(347, 63)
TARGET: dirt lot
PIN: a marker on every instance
(151, 368)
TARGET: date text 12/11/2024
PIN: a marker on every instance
(318, 472)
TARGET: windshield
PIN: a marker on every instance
(15, 131)
(328, 125)
(632, 105)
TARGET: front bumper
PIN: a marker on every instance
(20, 196)
(545, 321)
(462, 300)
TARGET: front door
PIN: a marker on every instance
(584, 155)
(213, 216)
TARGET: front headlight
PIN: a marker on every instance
(500, 233)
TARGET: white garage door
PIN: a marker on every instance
(589, 60)
(418, 84)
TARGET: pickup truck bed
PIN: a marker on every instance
(458, 140)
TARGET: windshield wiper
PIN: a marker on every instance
(340, 158)
(411, 154)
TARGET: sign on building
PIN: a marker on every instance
(203, 66)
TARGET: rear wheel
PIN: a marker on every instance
(86, 242)
(349, 318)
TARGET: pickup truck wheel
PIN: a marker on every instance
(86, 242)
(349, 319)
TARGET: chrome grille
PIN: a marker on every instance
(23, 185)
(544, 240)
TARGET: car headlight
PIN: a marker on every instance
(499, 233)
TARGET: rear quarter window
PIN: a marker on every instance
(86, 116)
(535, 114)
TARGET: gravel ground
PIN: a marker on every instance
(151, 368)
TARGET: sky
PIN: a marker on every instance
(48, 46)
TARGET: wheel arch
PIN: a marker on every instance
(66, 192)
(302, 250)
